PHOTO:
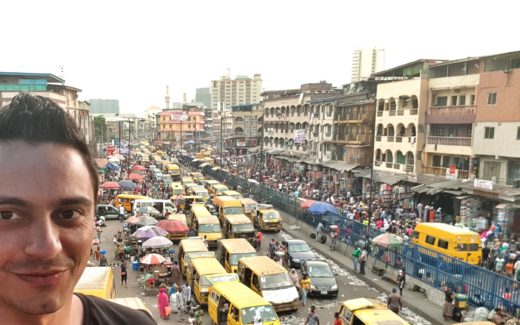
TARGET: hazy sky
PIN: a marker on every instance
(130, 50)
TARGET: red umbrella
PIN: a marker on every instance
(138, 167)
(110, 186)
(307, 204)
(135, 176)
(173, 226)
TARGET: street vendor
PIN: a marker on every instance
(48, 194)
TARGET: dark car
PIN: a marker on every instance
(298, 252)
(108, 211)
(323, 281)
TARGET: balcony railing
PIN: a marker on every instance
(449, 141)
(441, 171)
(389, 165)
(408, 168)
(390, 139)
(378, 138)
(379, 113)
(392, 113)
(398, 139)
(413, 111)
(400, 112)
(451, 110)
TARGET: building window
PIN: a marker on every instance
(518, 133)
(453, 101)
(441, 101)
(472, 100)
(462, 100)
(492, 98)
(489, 132)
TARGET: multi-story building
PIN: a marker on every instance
(182, 126)
(496, 136)
(353, 123)
(222, 127)
(247, 129)
(400, 111)
(104, 106)
(228, 92)
(449, 118)
(365, 62)
(203, 95)
(52, 87)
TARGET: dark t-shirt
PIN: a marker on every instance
(97, 311)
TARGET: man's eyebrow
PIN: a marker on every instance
(77, 200)
(4, 200)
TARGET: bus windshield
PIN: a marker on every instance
(209, 227)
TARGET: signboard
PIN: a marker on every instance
(483, 184)
(452, 172)
(299, 136)
(241, 143)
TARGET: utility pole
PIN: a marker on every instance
(221, 142)
(119, 142)
(371, 176)
(262, 160)
(128, 151)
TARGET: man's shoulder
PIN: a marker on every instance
(101, 311)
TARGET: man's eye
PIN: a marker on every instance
(69, 214)
(7, 215)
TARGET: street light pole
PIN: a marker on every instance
(129, 140)
(221, 137)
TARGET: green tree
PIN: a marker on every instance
(100, 128)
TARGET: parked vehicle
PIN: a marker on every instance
(363, 311)
(97, 281)
(108, 211)
(229, 251)
(298, 251)
(323, 280)
(235, 304)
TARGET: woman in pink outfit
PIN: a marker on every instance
(162, 303)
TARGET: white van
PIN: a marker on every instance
(163, 206)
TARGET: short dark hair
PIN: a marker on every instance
(37, 120)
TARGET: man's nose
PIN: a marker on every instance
(43, 239)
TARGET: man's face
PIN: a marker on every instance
(46, 225)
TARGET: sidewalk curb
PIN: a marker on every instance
(324, 252)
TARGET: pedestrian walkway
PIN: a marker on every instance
(415, 300)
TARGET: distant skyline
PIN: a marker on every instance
(130, 51)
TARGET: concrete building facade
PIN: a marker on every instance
(104, 106)
(366, 62)
(400, 110)
(228, 92)
(496, 139)
(247, 129)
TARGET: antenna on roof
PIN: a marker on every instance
(62, 73)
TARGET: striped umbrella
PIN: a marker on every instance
(153, 259)
(157, 242)
(147, 232)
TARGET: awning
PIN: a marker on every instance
(339, 165)
(449, 186)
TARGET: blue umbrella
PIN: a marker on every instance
(322, 208)
(112, 166)
(127, 185)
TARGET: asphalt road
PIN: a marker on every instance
(349, 285)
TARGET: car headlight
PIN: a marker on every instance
(334, 287)
(313, 287)
(297, 260)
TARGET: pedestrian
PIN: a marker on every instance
(103, 260)
(363, 261)
(97, 255)
(162, 303)
(186, 293)
(176, 272)
(394, 301)
(49, 189)
(121, 212)
(499, 263)
(401, 280)
(312, 317)
(124, 275)
(259, 240)
(355, 258)
(337, 320)
(99, 231)
(319, 230)
(272, 248)
(305, 285)
(447, 308)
